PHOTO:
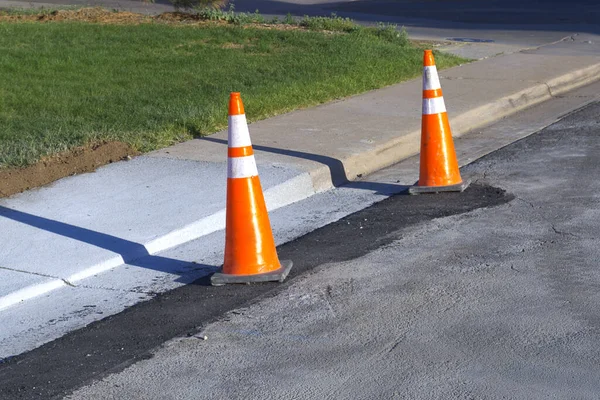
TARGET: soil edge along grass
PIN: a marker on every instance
(75, 81)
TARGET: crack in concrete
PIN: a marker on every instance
(326, 297)
(564, 233)
(552, 226)
(150, 293)
(484, 175)
(70, 284)
(529, 203)
(549, 90)
(486, 171)
(396, 344)
(31, 273)
(66, 282)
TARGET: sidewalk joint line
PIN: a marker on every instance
(549, 90)
(30, 273)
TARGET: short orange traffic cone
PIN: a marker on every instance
(250, 254)
(438, 169)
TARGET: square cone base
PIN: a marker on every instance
(279, 275)
(459, 187)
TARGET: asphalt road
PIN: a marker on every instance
(477, 29)
(489, 294)
(531, 13)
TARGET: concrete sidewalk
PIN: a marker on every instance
(70, 233)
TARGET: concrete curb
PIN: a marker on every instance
(322, 178)
(408, 145)
(295, 189)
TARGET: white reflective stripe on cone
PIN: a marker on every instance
(238, 134)
(430, 78)
(241, 167)
(434, 106)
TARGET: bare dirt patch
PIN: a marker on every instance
(232, 46)
(430, 43)
(102, 16)
(50, 169)
(95, 14)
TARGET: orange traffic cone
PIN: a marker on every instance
(438, 169)
(250, 254)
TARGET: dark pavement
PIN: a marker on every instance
(549, 233)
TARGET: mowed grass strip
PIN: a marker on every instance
(67, 84)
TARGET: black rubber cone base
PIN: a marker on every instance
(279, 275)
(459, 187)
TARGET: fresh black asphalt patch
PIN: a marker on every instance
(110, 345)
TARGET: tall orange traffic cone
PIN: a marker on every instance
(438, 169)
(250, 254)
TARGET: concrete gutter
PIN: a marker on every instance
(400, 148)
(303, 153)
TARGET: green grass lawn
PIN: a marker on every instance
(66, 84)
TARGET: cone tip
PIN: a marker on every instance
(236, 107)
(428, 60)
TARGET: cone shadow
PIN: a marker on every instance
(133, 253)
(336, 169)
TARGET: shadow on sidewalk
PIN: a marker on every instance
(336, 169)
(133, 253)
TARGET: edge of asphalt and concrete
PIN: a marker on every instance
(299, 154)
